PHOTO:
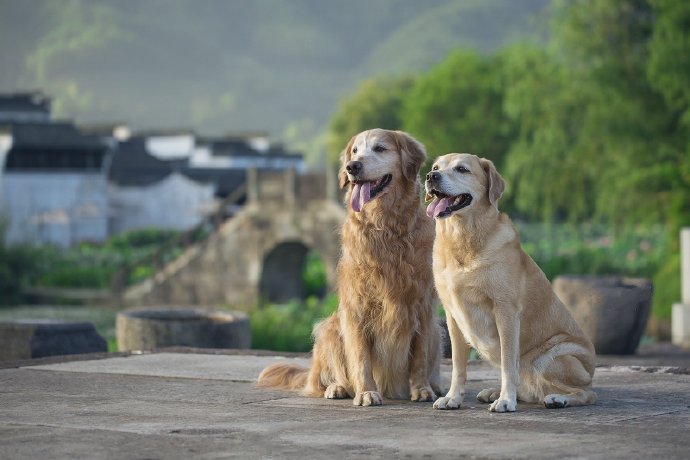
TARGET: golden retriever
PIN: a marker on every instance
(384, 339)
(497, 299)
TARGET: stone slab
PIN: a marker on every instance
(178, 365)
(209, 367)
(195, 406)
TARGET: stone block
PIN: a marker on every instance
(680, 320)
(26, 339)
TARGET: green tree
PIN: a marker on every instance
(668, 70)
(377, 103)
(546, 178)
(457, 107)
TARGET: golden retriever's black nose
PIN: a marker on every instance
(354, 167)
(433, 176)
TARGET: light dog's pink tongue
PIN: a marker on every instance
(437, 206)
(361, 194)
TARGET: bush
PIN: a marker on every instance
(288, 327)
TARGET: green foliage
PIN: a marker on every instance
(87, 265)
(592, 127)
(666, 287)
(594, 249)
(18, 267)
(288, 327)
(314, 275)
(139, 238)
(377, 103)
(457, 107)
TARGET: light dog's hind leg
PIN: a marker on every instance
(567, 383)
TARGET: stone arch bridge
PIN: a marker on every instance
(260, 252)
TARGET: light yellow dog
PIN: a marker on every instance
(497, 299)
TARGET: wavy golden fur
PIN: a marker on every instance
(497, 299)
(384, 338)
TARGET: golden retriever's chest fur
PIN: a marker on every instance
(388, 274)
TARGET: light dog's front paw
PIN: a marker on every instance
(367, 398)
(335, 391)
(424, 394)
(446, 403)
(503, 405)
(556, 401)
(488, 395)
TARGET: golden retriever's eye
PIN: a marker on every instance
(354, 149)
(462, 169)
(379, 148)
(435, 168)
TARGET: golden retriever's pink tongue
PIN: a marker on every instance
(437, 206)
(361, 194)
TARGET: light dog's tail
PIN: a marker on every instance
(284, 377)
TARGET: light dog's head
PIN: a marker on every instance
(376, 161)
(460, 182)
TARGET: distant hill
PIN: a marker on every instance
(219, 66)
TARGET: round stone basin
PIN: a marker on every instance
(611, 310)
(197, 327)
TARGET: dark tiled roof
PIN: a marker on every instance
(238, 147)
(24, 102)
(133, 165)
(229, 148)
(58, 136)
(226, 180)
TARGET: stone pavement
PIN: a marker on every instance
(177, 404)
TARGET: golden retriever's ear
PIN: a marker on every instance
(496, 183)
(412, 152)
(345, 156)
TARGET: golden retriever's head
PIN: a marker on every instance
(459, 182)
(375, 159)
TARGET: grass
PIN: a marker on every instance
(288, 327)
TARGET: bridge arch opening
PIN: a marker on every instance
(292, 271)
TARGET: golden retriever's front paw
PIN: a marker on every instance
(503, 405)
(367, 398)
(446, 403)
(335, 391)
(424, 394)
(488, 395)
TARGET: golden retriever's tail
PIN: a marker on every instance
(284, 377)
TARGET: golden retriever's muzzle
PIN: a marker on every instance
(442, 205)
(364, 191)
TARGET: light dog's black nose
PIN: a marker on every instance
(354, 167)
(433, 176)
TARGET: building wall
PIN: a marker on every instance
(59, 208)
(175, 203)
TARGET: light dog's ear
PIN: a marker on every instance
(345, 156)
(496, 183)
(412, 152)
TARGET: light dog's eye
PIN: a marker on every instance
(435, 168)
(379, 148)
(462, 169)
(354, 149)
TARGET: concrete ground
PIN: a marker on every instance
(191, 404)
